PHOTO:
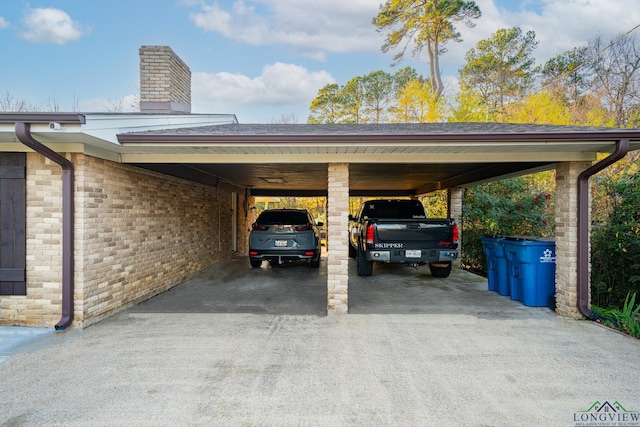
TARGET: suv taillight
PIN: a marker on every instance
(370, 231)
(456, 235)
(303, 227)
(257, 227)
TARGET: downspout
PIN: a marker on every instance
(622, 146)
(23, 132)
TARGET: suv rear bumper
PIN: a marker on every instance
(284, 256)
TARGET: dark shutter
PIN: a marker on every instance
(13, 224)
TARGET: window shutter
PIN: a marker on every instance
(13, 224)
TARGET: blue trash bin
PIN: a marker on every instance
(496, 263)
(531, 264)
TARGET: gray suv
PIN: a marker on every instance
(285, 235)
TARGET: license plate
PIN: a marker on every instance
(281, 243)
(413, 253)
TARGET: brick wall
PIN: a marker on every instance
(42, 304)
(567, 237)
(137, 233)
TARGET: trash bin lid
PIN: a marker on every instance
(532, 240)
(520, 238)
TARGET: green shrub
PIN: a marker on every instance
(615, 241)
(515, 206)
(626, 319)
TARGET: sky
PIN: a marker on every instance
(262, 60)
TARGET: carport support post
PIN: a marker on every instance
(337, 239)
(567, 237)
(454, 210)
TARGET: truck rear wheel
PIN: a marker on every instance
(365, 268)
(440, 270)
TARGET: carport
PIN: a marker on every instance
(335, 161)
(125, 168)
(339, 161)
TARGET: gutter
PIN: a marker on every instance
(622, 146)
(23, 132)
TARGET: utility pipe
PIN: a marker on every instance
(23, 132)
(622, 146)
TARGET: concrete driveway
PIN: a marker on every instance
(237, 346)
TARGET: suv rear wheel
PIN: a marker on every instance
(314, 263)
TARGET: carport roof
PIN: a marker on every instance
(292, 159)
(385, 159)
(442, 132)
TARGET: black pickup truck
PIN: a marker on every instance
(398, 232)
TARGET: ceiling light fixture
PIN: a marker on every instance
(274, 179)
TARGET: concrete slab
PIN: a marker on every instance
(448, 353)
(14, 337)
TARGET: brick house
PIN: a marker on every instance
(101, 211)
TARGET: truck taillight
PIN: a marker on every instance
(456, 235)
(370, 231)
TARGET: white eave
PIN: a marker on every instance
(96, 133)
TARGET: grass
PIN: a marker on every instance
(626, 320)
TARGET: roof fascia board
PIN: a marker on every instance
(457, 157)
(33, 118)
(338, 138)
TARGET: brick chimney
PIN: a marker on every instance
(165, 82)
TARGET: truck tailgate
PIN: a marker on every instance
(413, 231)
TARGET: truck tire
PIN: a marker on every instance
(365, 268)
(440, 272)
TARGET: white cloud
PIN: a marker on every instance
(3, 23)
(50, 25)
(278, 85)
(563, 24)
(311, 27)
(560, 25)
